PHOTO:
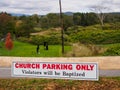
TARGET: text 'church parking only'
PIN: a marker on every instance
(56, 70)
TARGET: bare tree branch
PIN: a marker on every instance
(100, 11)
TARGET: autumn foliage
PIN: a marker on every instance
(8, 42)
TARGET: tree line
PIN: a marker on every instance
(22, 26)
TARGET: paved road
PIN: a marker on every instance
(6, 73)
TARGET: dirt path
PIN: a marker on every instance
(105, 63)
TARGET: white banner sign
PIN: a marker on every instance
(78, 71)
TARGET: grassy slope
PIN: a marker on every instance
(28, 50)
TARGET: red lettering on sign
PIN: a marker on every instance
(44, 65)
(84, 67)
(58, 66)
(27, 65)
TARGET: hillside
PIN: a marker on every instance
(85, 41)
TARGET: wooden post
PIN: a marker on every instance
(62, 29)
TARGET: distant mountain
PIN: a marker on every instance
(116, 12)
(68, 13)
(17, 14)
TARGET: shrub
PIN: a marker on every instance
(113, 51)
(23, 39)
(41, 39)
(97, 36)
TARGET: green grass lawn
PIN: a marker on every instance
(28, 50)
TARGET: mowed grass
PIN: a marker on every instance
(28, 50)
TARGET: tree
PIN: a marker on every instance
(91, 19)
(83, 20)
(67, 21)
(6, 24)
(77, 18)
(8, 42)
(53, 20)
(44, 22)
(100, 12)
(35, 18)
(24, 27)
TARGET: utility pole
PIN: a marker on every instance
(62, 29)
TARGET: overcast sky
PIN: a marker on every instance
(51, 6)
